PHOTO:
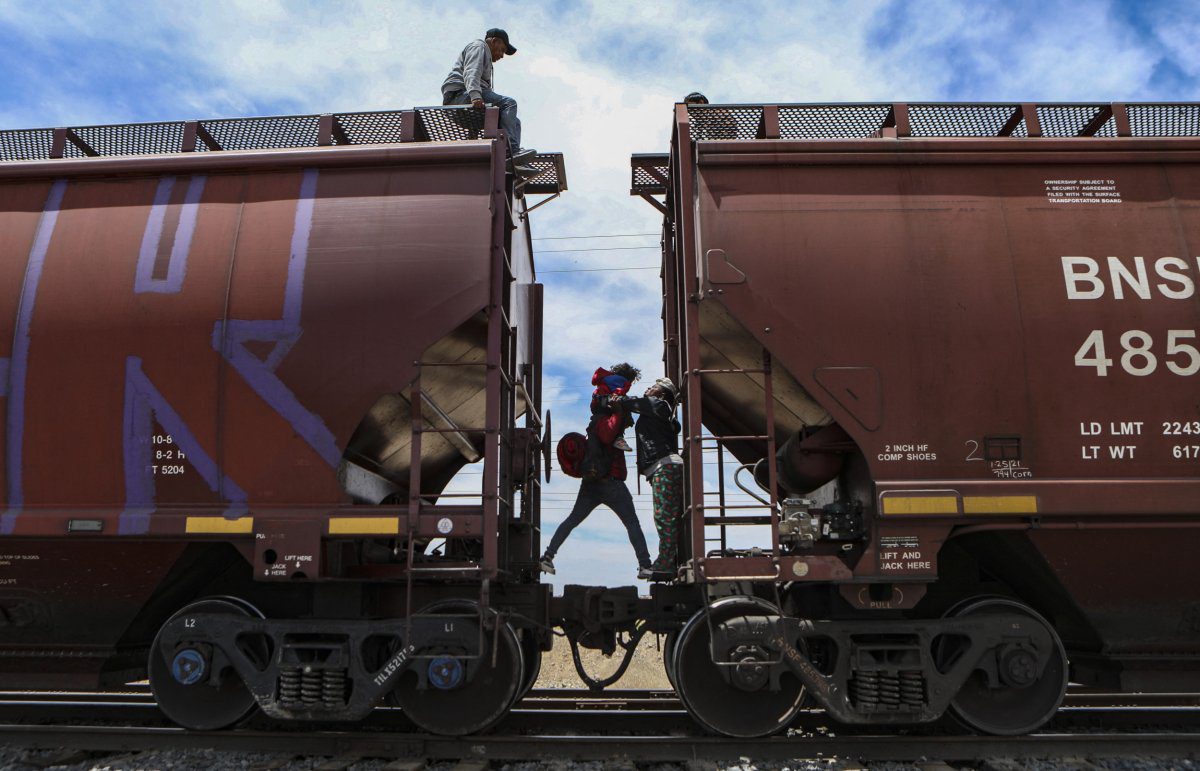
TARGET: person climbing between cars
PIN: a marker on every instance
(658, 459)
(598, 486)
(470, 82)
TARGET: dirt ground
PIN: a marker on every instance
(645, 671)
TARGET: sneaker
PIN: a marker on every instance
(645, 573)
(621, 444)
(547, 565)
(526, 171)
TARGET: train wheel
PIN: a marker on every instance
(669, 657)
(745, 709)
(454, 705)
(531, 657)
(185, 689)
(1025, 700)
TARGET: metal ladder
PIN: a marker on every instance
(698, 445)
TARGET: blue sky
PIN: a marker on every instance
(596, 81)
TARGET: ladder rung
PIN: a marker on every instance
(727, 521)
(719, 439)
(447, 569)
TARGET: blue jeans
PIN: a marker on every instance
(613, 494)
(508, 113)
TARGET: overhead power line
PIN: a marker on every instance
(597, 249)
(598, 235)
(598, 270)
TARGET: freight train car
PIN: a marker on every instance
(243, 360)
(955, 351)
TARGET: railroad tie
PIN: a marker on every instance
(270, 764)
(339, 763)
(66, 757)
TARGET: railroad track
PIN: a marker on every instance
(582, 747)
(612, 725)
(137, 700)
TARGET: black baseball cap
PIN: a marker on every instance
(503, 36)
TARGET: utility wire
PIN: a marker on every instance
(599, 235)
(598, 249)
(597, 270)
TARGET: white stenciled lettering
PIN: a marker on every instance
(394, 663)
(906, 451)
(1129, 278)
(1187, 287)
(1137, 279)
(1138, 357)
(1089, 277)
(1082, 191)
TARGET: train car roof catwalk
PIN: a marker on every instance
(383, 127)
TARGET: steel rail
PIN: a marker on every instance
(566, 699)
(582, 747)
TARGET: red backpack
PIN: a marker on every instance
(572, 448)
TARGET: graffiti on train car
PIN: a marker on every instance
(158, 443)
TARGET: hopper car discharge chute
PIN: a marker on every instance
(950, 354)
(244, 360)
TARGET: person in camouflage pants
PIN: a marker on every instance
(659, 461)
(667, 486)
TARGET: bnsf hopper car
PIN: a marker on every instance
(242, 361)
(955, 350)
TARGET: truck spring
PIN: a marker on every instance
(912, 687)
(334, 687)
(289, 686)
(864, 690)
(310, 686)
(889, 690)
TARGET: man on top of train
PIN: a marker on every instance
(470, 82)
(658, 460)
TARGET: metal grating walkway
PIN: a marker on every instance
(706, 123)
(422, 124)
(862, 121)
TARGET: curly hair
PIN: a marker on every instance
(626, 370)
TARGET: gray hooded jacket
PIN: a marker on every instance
(472, 71)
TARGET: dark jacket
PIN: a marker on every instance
(657, 429)
(602, 461)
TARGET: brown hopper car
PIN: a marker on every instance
(955, 350)
(952, 348)
(244, 359)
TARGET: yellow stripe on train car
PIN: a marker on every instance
(364, 525)
(202, 525)
(919, 504)
(1000, 504)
